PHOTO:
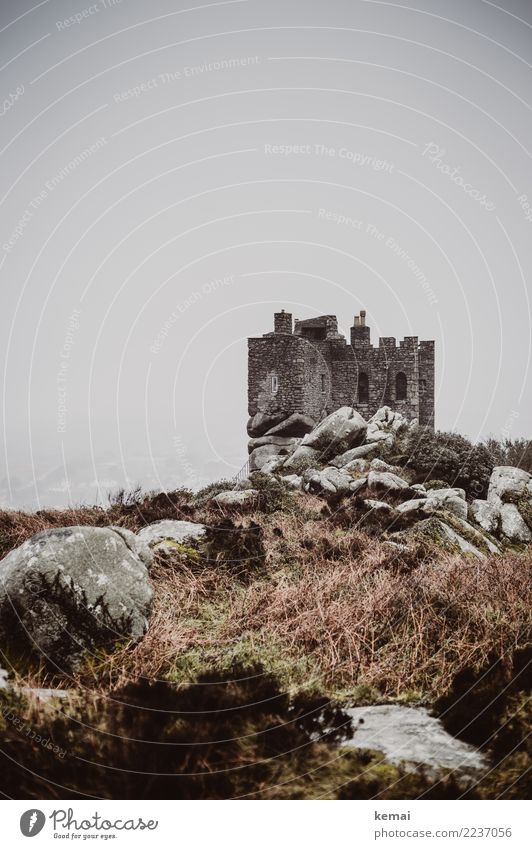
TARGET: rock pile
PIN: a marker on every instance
(339, 457)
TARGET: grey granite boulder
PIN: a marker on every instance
(293, 481)
(274, 464)
(278, 441)
(235, 498)
(513, 526)
(172, 531)
(379, 437)
(356, 467)
(298, 424)
(379, 508)
(303, 458)
(68, 590)
(261, 423)
(386, 482)
(485, 514)
(508, 483)
(378, 465)
(448, 499)
(264, 453)
(387, 419)
(435, 530)
(337, 433)
(357, 453)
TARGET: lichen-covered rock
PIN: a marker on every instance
(235, 497)
(294, 481)
(264, 453)
(298, 424)
(173, 531)
(485, 514)
(378, 465)
(475, 537)
(68, 590)
(513, 526)
(274, 464)
(450, 499)
(356, 467)
(314, 481)
(444, 492)
(357, 453)
(330, 481)
(414, 508)
(386, 482)
(378, 507)
(435, 530)
(339, 479)
(337, 433)
(508, 483)
(387, 419)
(303, 458)
(379, 437)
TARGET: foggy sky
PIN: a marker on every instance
(174, 173)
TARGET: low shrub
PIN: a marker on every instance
(449, 457)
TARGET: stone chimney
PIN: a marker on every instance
(282, 322)
(360, 334)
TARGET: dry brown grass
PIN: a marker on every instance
(346, 606)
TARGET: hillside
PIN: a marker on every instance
(213, 644)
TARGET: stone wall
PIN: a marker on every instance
(291, 373)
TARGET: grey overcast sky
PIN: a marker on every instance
(175, 172)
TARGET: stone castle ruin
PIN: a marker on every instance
(307, 370)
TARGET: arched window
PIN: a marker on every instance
(363, 388)
(400, 386)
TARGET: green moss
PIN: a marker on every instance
(436, 484)
(295, 673)
(470, 534)
(524, 505)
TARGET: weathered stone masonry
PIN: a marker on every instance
(311, 369)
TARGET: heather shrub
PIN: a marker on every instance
(448, 457)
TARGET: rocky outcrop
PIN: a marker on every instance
(345, 456)
(435, 530)
(275, 441)
(386, 482)
(304, 457)
(298, 424)
(68, 590)
(261, 423)
(513, 526)
(360, 452)
(508, 484)
(264, 453)
(340, 431)
(330, 481)
(485, 514)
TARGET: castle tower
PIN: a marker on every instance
(310, 369)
